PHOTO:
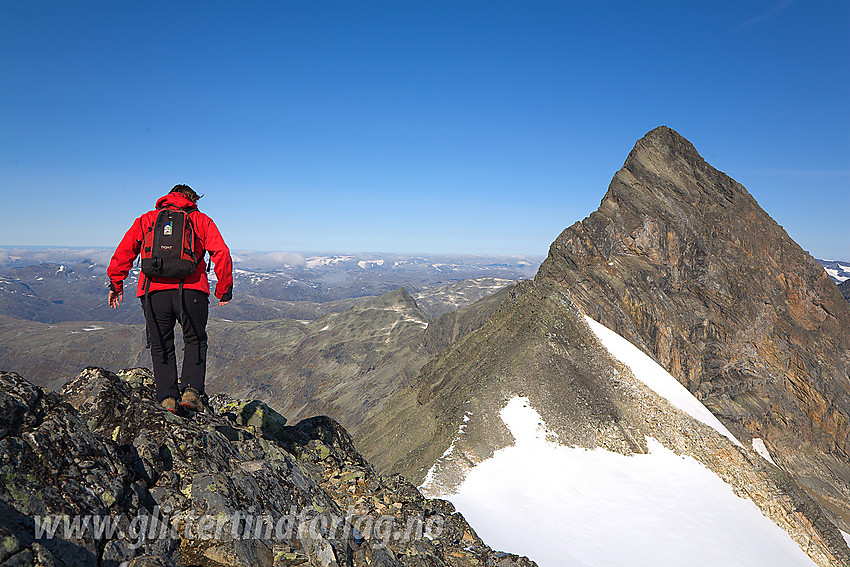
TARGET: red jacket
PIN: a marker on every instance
(207, 236)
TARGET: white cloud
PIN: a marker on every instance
(99, 256)
(772, 11)
(268, 260)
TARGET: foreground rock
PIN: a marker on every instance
(118, 480)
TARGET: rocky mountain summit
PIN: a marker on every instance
(100, 475)
(681, 260)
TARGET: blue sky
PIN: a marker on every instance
(431, 127)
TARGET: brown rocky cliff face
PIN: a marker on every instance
(680, 259)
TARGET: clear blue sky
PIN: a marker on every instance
(439, 127)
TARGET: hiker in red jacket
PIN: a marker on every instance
(166, 301)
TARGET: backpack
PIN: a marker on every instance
(168, 252)
(168, 246)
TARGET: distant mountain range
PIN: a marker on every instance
(60, 290)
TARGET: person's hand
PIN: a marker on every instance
(115, 298)
(222, 303)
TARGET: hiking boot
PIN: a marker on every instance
(192, 400)
(170, 404)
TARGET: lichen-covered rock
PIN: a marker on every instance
(51, 463)
(118, 481)
(253, 415)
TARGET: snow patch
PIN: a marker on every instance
(418, 322)
(846, 536)
(761, 449)
(656, 378)
(318, 261)
(365, 264)
(524, 423)
(92, 328)
(835, 274)
(570, 506)
(430, 484)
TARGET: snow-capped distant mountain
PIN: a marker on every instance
(66, 287)
(435, 301)
(50, 292)
(839, 270)
(314, 262)
(323, 278)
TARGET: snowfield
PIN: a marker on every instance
(761, 449)
(569, 506)
(656, 378)
(564, 505)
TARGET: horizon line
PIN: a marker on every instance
(317, 252)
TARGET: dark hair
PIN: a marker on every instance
(187, 191)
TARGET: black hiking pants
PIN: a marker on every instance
(163, 311)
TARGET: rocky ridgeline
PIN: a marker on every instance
(119, 481)
(538, 345)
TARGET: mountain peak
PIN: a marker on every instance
(669, 144)
(664, 135)
(681, 260)
(664, 164)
